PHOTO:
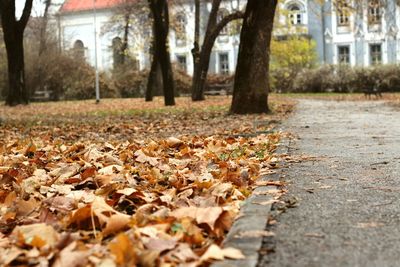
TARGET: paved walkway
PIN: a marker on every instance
(349, 198)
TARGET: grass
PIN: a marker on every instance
(127, 119)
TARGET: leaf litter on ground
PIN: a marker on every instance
(125, 190)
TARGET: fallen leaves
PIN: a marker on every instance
(79, 198)
(216, 253)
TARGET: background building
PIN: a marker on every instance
(363, 34)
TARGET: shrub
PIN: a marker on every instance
(216, 82)
(129, 82)
(315, 80)
(346, 79)
(66, 77)
(289, 57)
(183, 81)
(81, 83)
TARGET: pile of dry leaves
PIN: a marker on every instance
(149, 202)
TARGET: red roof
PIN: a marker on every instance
(82, 5)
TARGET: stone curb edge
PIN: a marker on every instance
(252, 218)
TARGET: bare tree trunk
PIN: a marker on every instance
(159, 9)
(154, 82)
(196, 44)
(43, 41)
(250, 94)
(125, 41)
(13, 39)
(203, 59)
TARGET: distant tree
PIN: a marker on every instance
(289, 57)
(13, 32)
(129, 18)
(160, 12)
(202, 56)
(250, 94)
(43, 40)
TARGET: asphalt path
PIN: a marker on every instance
(347, 188)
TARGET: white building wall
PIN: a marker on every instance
(80, 26)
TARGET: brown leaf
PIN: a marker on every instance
(174, 142)
(160, 245)
(122, 249)
(202, 215)
(214, 252)
(37, 235)
(143, 158)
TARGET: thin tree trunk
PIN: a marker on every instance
(154, 82)
(43, 42)
(159, 10)
(196, 46)
(125, 41)
(250, 94)
(212, 33)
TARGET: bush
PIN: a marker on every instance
(183, 81)
(315, 80)
(80, 83)
(346, 79)
(218, 82)
(288, 58)
(129, 82)
(66, 77)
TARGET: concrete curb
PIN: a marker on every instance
(252, 218)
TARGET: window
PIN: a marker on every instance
(79, 49)
(221, 14)
(375, 51)
(295, 15)
(344, 54)
(224, 63)
(180, 29)
(374, 12)
(343, 13)
(182, 63)
(118, 56)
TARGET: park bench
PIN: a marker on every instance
(372, 91)
(41, 96)
(219, 89)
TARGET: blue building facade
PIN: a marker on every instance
(357, 33)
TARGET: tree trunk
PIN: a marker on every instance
(203, 59)
(196, 47)
(154, 82)
(250, 94)
(13, 32)
(17, 93)
(43, 42)
(159, 9)
(200, 75)
(124, 48)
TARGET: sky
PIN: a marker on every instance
(37, 8)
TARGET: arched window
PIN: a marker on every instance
(295, 14)
(180, 28)
(221, 15)
(117, 52)
(374, 12)
(79, 49)
(343, 13)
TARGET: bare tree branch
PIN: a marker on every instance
(26, 13)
